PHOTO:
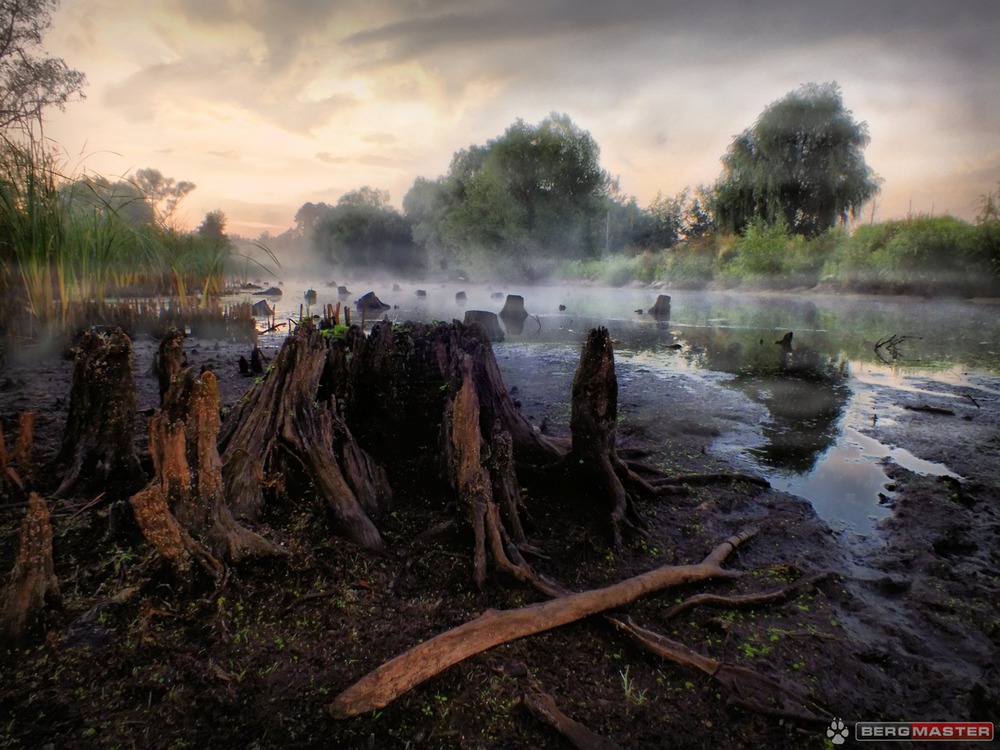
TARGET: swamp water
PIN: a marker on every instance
(803, 419)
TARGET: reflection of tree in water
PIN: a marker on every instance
(805, 391)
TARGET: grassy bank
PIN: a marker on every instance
(923, 255)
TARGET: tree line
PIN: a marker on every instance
(537, 195)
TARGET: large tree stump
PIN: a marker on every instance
(594, 428)
(97, 452)
(289, 422)
(183, 512)
(33, 581)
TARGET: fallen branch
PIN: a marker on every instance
(397, 676)
(746, 600)
(543, 707)
(751, 689)
(926, 408)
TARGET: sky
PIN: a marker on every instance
(268, 104)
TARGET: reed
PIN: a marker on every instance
(66, 252)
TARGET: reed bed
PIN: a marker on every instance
(76, 252)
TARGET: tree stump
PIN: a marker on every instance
(513, 314)
(169, 359)
(487, 320)
(182, 512)
(33, 582)
(97, 451)
(594, 428)
(661, 308)
(289, 422)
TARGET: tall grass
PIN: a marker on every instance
(64, 247)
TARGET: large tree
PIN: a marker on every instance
(30, 81)
(364, 231)
(803, 159)
(536, 189)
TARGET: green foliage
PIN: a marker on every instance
(364, 231)
(922, 255)
(535, 192)
(801, 161)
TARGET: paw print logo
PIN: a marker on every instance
(837, 733)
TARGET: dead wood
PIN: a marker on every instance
(753, 690)
(387, 682)
(33, 581)
(290, 421)
(668, 482)
(927, 409)
(97, 451)
(594, 429)
(543, 707)
(182, 512)
(11, 485)
(24, 448)
(169, 359)
(747, 600)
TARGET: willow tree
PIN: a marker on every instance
(802, 160)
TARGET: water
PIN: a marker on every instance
(811, 406)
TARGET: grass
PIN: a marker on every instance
(65, 246)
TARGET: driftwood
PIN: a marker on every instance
(33, 581)
(543, 707)
(387, 682)
(182, 512)
(97, 450)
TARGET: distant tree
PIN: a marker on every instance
(536, 189)
(364, 232)
(213, 229)
(802, 159)
(31, 82)
(163, 193)
(307, 216)
(98, 194)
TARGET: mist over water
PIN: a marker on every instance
(808, 408)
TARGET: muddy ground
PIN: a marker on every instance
(904, 629)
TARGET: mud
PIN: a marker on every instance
(906, 628)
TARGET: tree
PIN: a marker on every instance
(364, 231)
(537, 189)
(213, 228)
(802, 159)
(163, 193)
(30, 82)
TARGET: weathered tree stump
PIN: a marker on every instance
(594, 428)
(182, 512)
(513, 314)
(97, 450)
(487, 320)
(169, 359)
(33, 582)
(289, 422)
(661, 308)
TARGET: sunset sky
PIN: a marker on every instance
(265, 105)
